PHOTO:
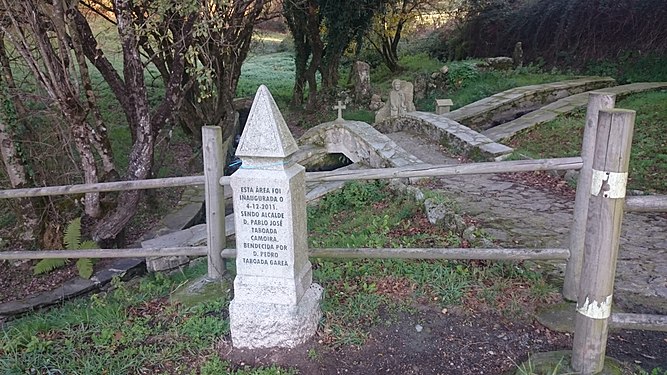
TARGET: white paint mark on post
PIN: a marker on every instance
(275, 303)
(595, 309)
(610, 184)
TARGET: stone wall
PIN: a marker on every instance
(455, 137)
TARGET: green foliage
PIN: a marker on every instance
(359, 292)
(354, 195)
(565, 32)
(630, 68)
(360, 115)
(72, 240)
(48, 265)
(72, 237)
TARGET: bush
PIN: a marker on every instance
(563, 32)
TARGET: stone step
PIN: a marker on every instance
(565, 105)
(481, 114)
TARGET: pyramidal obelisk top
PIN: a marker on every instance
(266, 134)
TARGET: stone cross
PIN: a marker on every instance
(275, 302)
(340, 107)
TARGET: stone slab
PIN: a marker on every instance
(72, 288)
(187, 237)
(565, 105)
(484, 111)
(495, 149)
(183, 217)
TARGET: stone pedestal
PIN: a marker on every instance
(275, 303)
(442, 106)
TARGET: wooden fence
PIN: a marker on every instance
(592, 241)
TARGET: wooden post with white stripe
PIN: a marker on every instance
(596, 101)
(603, 229)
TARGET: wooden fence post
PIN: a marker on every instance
(603, 230)
(214, 164)
(596, 101)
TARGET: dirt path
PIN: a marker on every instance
(522, 215)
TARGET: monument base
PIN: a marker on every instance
(267, 325)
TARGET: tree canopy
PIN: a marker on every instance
(197, 46)
(322, 30)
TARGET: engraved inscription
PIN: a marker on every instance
(263, 212)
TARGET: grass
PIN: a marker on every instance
(648, 161)
(131, 329)
(275, 70)
(465, 83)
(362, 293)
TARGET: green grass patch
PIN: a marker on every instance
(131, 329)
(465, 82)
(648, 161)
(361, 293)
(275, 70)
(128, 330)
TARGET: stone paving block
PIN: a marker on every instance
(181, 218)
(495, 149)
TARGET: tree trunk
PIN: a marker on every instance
(98, 135)
(29, 226)
(141, 155)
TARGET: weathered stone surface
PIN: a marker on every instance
(500, 63)
(360, 142)
(157, 264)
(270, 138)
(399, 103)
(504, 106)
(469, 234)
(72, 288)
(455, 137)
(184, 217)
(518, 215)
(265, 325)
(361, 78)
(442, 106)
(517, 56)
(568, 104)
(376, 102)
(559, 317)
(435, 211)
(416, 192)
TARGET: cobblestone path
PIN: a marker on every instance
(519, 215)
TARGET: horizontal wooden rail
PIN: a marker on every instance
(426, 170)
(423, 170)
(639, 321)
(646, 203)
(103, 187)
(428, 253)
(105, 253)
(429, 170)
(443, 253)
